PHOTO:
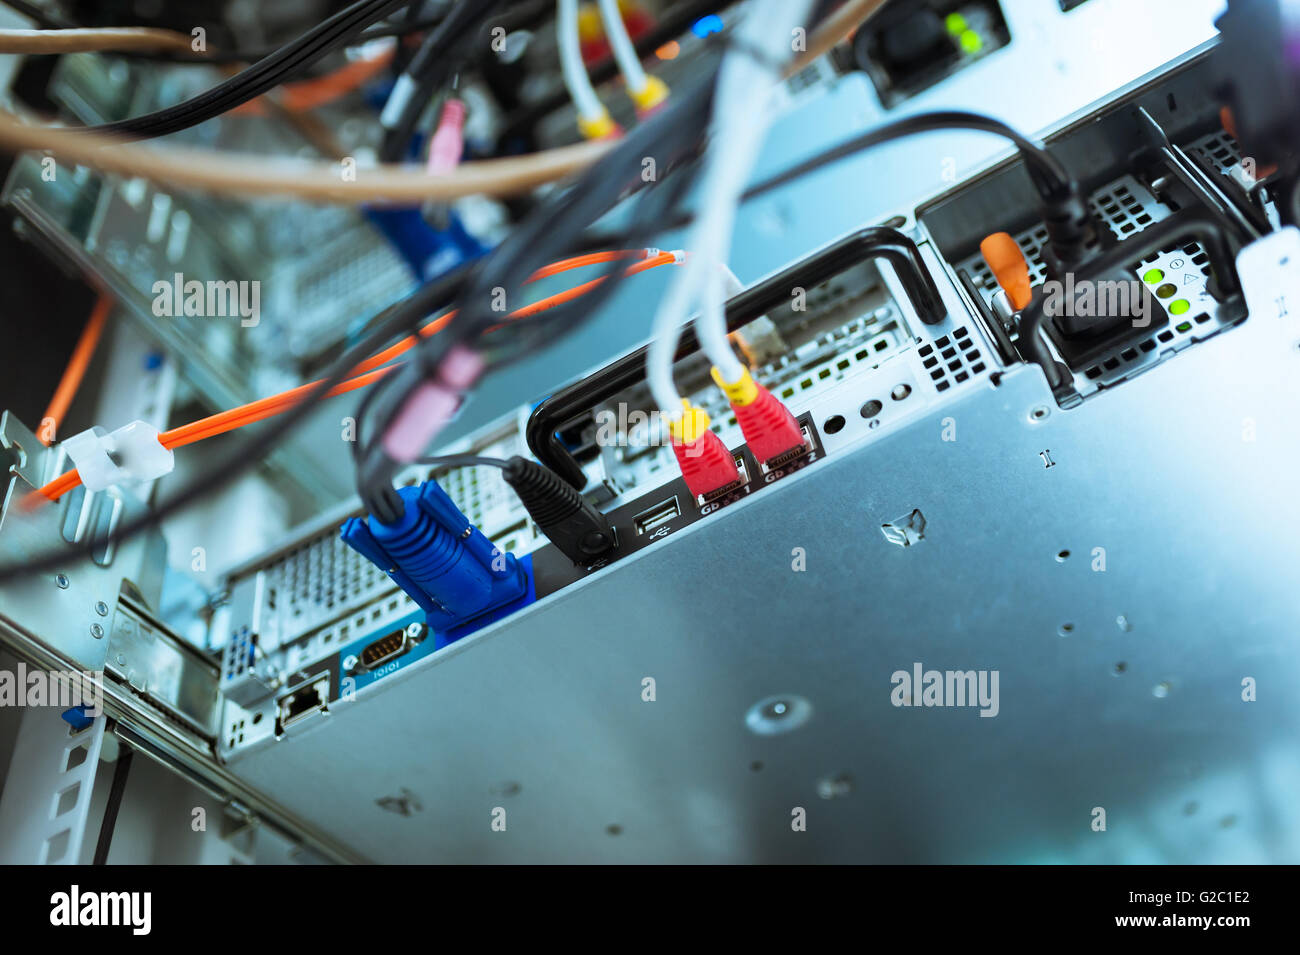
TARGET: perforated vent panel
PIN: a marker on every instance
(1187, 269)
(1219, 148)
(318, 580)
(952, 359)
(344, 272)
(364, 620)
(478, 492)
(1125, 206)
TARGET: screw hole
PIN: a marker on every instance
(614, 829)
(1066, 629)
(1121, 667)
(900, 392)
(1063, 556)
(871, 408)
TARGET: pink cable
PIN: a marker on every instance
(448, 142)
(432, 405)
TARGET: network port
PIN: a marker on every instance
(726, 489)
(794, 454)
(303, 702)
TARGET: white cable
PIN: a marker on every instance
(576, 79)
(740, 120)
(629, 64)
(719, 287)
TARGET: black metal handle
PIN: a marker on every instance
(1183, 225)
(875, 242)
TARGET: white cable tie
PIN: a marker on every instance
(132, 453)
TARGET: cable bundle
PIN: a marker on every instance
(262, 76)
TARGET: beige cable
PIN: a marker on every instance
(248, 174)
(836, 28)
(93, 40)
(252, 175)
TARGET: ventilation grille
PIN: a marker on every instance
(317, 581)
(1121, 363)
(862, 343)
(478, 492)
(1128, 208)
(1186, 269)
(1125, 206)
(952, 359)
(369, 618)
(327, 288)
(1219, 148)
(348, 271)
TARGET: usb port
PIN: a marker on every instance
(656, 516)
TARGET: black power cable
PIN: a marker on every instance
(263, 76)
(573, 525)
(1049, 176)
(378, 32)
(1072, 233)
(463, 461)
(430, 68)
(1069, 223)
(42, 17)
(538, 238)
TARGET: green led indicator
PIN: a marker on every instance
(956, 23)
(1153, 276)
(1184, 327)
(1180, 306)
(970, 41)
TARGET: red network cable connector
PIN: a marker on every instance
(770, 430)
(707, 466)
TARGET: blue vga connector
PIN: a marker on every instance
(458, 577)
